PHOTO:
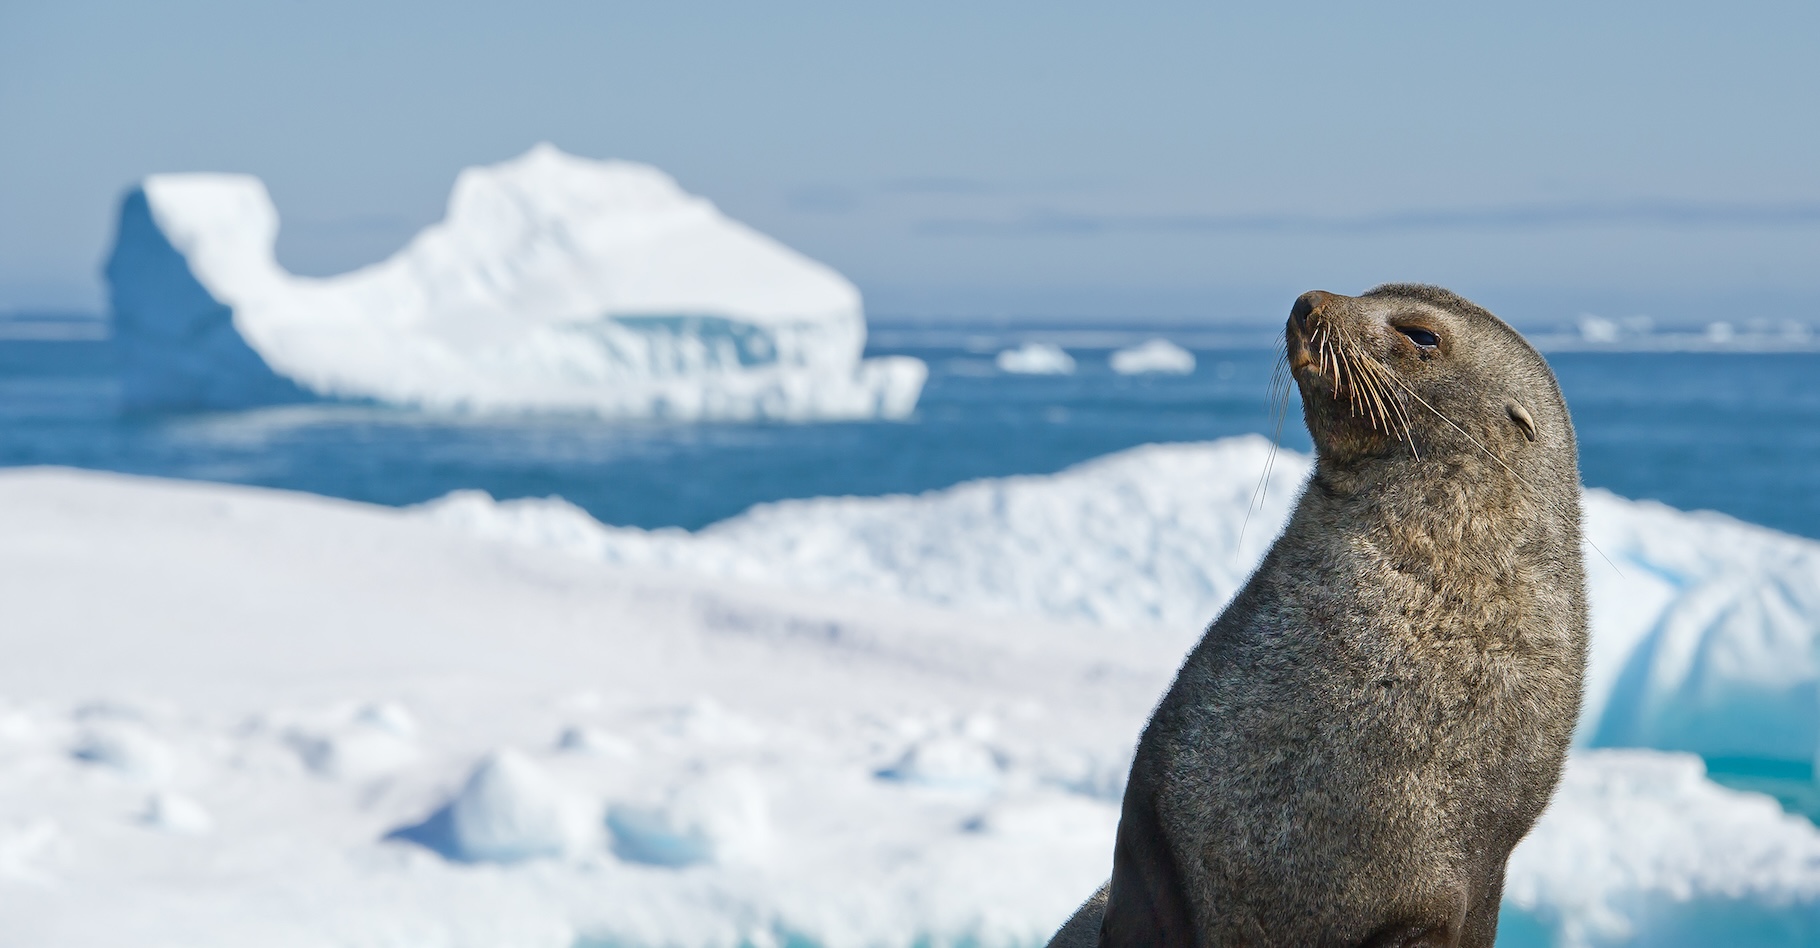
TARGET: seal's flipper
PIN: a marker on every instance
(1146, 907)
(1082, 930)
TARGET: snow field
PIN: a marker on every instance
(473, 744)
(236, 716)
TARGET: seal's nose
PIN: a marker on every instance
(1306, 305)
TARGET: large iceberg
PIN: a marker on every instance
(554, 283)
(1706, 630)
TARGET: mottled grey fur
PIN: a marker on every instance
(1352, 750)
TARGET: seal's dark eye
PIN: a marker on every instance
(1421, 337)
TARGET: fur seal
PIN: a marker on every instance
(1351, 751)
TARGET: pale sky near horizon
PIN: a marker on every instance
(1157, 160)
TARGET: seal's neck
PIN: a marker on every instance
(1435, 510)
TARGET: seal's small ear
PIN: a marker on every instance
(1520, 415)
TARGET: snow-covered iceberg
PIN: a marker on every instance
(554, 283)
(1706, 630)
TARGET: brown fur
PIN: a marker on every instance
(1352, 750)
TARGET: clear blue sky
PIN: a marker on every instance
(1139, 160)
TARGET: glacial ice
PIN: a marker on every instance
(554, 283)
(1706, 630)
(1639, 848)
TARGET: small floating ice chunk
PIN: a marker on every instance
(1157, 355)
(1036, 358)
(176, 813)
(947, 762)
(719, 818)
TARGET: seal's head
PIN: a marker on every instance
(1415, 371)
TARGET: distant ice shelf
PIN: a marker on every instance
(554, 283)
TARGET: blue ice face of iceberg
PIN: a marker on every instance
(184, 351)
(683, 344)
(1704, 635)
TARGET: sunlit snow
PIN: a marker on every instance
(233, 716)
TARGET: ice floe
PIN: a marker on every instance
(554, 283)
(661, 741)
(1706, 630)
(1036, 358)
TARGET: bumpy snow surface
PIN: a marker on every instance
(1705, 628)
(233, 717)
(554, 283)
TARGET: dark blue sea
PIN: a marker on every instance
(1732, 432)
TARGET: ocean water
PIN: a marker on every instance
(1732, 432)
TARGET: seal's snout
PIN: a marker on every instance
(1303, 317)
(1307, 306)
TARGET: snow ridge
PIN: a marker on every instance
(1706, 630)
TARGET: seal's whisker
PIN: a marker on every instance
(1396, 410)
(1280, 385)
(1370, 391)
(1464, 433)
(1381, 377)
(1367, 378)
(1488, 453)
(1376, 403)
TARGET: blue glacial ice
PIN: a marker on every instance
(554, 283)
